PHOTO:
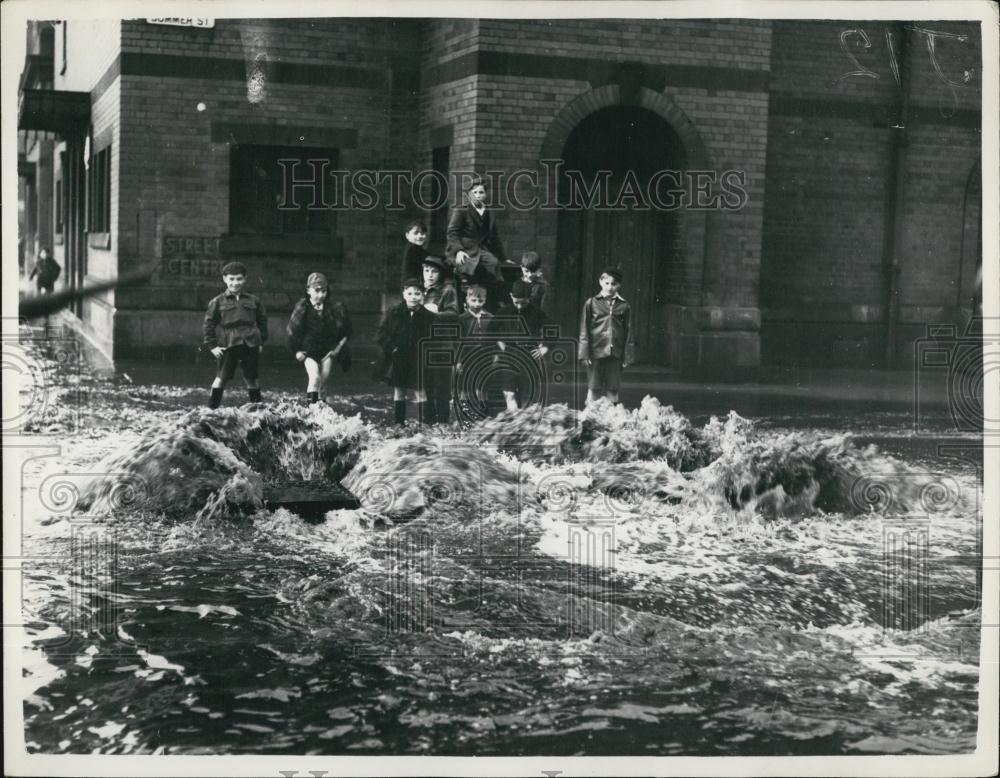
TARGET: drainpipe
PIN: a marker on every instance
(892, 229)
(960, 291)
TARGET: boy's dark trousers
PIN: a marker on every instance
(438, 387)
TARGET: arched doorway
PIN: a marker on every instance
(620, 147)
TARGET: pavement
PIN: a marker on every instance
(774, 392)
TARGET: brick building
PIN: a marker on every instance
(851, 217)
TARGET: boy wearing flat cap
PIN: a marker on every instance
(318, 331)
(439, 294)
(242, 321)
(606, 339)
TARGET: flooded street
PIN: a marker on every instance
(618, 582)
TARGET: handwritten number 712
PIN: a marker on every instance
(930, 36)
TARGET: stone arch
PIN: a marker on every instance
(602, 97)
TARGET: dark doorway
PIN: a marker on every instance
(624, 145)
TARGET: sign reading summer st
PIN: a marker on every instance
(183, 22)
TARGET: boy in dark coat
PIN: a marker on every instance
(243, 322)
(403, 329)
(318, 331)
(522, 336)
(531, 273)
(475, 347)
(606, 338)
(474, 248)
(415, 253)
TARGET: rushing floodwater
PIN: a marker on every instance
(623, 584)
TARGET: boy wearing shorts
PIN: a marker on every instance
(318, 331)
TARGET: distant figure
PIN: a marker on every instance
(318, 331)
(244, 332)
(45, 272)
(474, 248)
(606, 338)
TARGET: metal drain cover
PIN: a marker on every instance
(308, 498)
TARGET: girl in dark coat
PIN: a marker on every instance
(400, 335)
(318, 332)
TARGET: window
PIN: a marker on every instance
(99, 192)
(58, 220)
(282, 190)
(59, 217)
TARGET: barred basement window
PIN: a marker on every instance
(99, 192)
(282, 190)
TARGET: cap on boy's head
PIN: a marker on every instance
(520, 289)
(433, 262)
(418, 224)
(614, 272)
(475, 289)
(530, 261)
(317, 280)
(475, 181)
(411, 282)
(234, 269)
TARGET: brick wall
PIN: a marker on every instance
(829, 201)
(175, 167)
(741, 43)
(451, 104)
(549, 65)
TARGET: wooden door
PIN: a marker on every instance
(618, 141)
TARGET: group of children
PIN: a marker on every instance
(454, 310)
(425, 339)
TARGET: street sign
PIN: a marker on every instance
(183, 22)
